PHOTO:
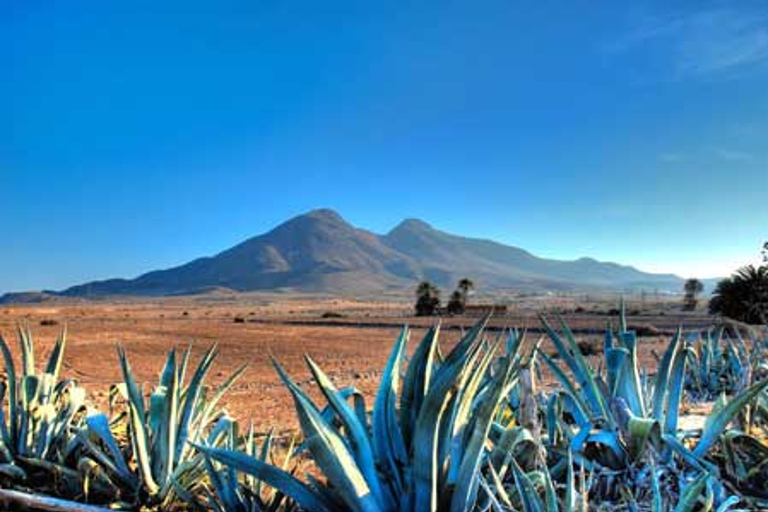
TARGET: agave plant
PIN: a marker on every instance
(44, 414)
(423, 448)
(717, 364)
(622, 425)
(158, 465)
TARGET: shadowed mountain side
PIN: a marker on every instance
(321, 252)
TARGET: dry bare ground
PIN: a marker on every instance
(352, 348)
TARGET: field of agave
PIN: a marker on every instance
(466, 430)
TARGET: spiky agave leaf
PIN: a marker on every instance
(303, 494)
(388, 444)
(356, 432)
(471, 459)
(426, 465)
(720, 419)
(330, 452)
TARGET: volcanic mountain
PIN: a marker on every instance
(321, 252)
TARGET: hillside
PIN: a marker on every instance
(321, 252)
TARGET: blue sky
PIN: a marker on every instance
(139, 135)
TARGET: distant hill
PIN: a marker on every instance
(321, 252)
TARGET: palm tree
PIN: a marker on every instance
(456, 304)
(743, 296)
(427, 299)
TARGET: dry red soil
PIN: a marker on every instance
(351, 349)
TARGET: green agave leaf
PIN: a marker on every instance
(417, 380)
(570, 484)
(169, 421)
(462, 412)
(139, 435)
(358, 436)
(13, 400)
(426, 465)
(211, 404)
(663, 375)
(27, 350)
(690, 495)
(728, 504)
(98, 424)
(330, 452)
(674, 392)
(465, 492)
(615, 359)
(388, 445)
(526, 490)
(567, 384)
(57, 355)
(304, 495)
(722, 418)
(575, 361)
(191, 397)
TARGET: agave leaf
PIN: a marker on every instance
(574, 359)
(466, 484)
(358, 436)
(720, 420)
(388, 445)
(462, 412)
(690, 495)
(498, 487)
(192, 395)
(139, 436)
(615, 359)
(727, 504)
(425, 464)
(210, 405)
(13, 400)
(330, 452)
(674, 392)
(417, 380)
(27, 350)
(662, 377)
(304, 495)
(57, 355)
(98, 424)
(567, 384)
(526, 490)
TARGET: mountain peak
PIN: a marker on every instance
(325, 214)
(412, 225)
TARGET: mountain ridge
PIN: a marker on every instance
(320, 251)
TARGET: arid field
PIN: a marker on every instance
(350, 339)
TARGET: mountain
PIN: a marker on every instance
(321, 252)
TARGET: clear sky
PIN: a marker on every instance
(139, 135)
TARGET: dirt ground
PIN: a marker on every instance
(351, 348)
